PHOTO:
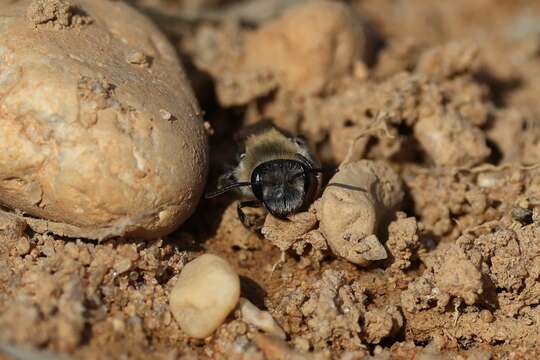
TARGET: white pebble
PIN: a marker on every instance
(207, 290)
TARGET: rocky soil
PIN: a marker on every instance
(446, 93)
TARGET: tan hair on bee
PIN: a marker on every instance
(270, 145)
(277, 172)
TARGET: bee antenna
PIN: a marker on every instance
(323, 171)
(316, 171)
(224, 189)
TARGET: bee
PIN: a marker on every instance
(276, 172)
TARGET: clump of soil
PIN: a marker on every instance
(444, 93)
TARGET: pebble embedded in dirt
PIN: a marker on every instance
(260, 319)
(206, 291)
(85, 151)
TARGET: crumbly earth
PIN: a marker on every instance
(448, 96)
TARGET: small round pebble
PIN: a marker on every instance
(206, 291)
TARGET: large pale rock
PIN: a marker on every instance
(100, 133)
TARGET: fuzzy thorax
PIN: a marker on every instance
(269, 145)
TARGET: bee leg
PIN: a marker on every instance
(247, 221)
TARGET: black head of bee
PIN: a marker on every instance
(282, 185)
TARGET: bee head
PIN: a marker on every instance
(282, 185)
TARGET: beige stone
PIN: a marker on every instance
(84, 150)
(206, 291)
(357, 200)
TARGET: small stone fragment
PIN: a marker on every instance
(206, 291)
(260, 319)
(138, 58)
(165, 115)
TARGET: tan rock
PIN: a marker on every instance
(83, 148)
(207, 290)
(356, 201)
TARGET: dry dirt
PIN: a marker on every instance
(445, 91)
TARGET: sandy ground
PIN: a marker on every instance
(446, 92)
